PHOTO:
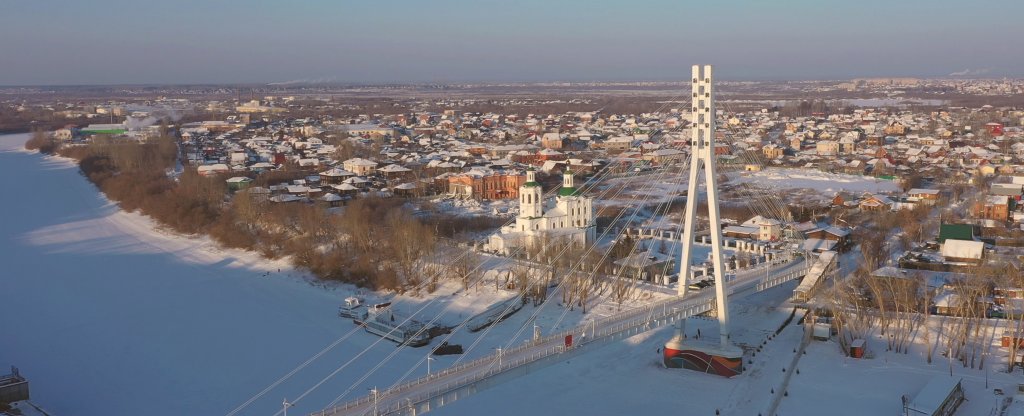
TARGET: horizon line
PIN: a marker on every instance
(298, 83)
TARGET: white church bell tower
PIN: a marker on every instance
(531, 197)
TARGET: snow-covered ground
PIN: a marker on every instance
(649, 188)
(825, 183)
(827, 376)
(471, 207)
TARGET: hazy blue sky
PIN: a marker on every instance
(207, 41)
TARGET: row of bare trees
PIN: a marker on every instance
(373, 242)
(901, 308)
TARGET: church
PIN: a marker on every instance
(570, 220)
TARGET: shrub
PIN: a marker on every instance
(39, 141)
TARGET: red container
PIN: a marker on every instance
(1007, 340)
(857, 348)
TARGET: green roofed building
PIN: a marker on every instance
(104, 129)
(956, 232)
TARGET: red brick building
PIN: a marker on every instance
(993, 208)
(490, 186)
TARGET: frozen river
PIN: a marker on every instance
(106, 316)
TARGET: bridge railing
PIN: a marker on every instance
(639, 317)
(602, 328)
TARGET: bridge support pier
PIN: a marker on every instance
(699, 355)
(723, 358)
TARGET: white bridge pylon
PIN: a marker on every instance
(702, 159)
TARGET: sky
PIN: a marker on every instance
(70, 42)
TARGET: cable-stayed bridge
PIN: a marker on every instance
(444, 387)
(781, 262)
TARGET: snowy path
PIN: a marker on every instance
(627, 377)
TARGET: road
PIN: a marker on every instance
(418, 394)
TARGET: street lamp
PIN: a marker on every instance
(499, 357)
(429, 359)
(374, 391)
(984, 362)
(285, 405)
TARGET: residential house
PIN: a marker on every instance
(841, 235)
(827, 148)
(924, 196)
(360, 166)
(664, 156)
(552, 141)
(773, 151)
(994, 207)
(875, 202)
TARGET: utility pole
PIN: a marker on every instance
(949, 358)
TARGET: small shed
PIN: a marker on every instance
(857, 348)
(940, 397)
(239, 183)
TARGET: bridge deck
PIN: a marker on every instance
(439, 388)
